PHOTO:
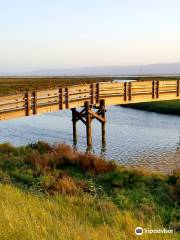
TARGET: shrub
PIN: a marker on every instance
(59, 182)
(4, 177)
(7, 148)
(40, 146)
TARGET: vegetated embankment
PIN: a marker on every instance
(165, 107)
(54, 192)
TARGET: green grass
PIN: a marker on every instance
(55, 192)
(165, 107)
(20, 85)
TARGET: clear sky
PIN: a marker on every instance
(40, 34)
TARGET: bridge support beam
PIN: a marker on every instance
(88, 124)
(86, 116)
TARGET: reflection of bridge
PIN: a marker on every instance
(92, 97)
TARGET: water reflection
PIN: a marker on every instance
(103, 150)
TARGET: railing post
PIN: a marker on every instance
(177, 88)
(157, 89)
(153, 89)
(92, 93)
(67, 98)
(27, 104)
(97, 93)
(61, 98)
(125, 91)
(130, 91)
(34, 102)
(103, 123)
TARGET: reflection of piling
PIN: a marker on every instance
(74, 126)
(86, 116)
(103, 121)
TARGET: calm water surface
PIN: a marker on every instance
(134, 137)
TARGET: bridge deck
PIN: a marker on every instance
(113, 93)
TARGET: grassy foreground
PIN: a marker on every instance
(165, 107)
(55, 192)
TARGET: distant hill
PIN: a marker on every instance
(152, 69)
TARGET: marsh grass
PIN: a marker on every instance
(26, 216)
(15, 85)
(164, 107)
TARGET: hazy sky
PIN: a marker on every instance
(39, 34)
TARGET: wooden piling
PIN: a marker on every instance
(103, 123)
(88, 124)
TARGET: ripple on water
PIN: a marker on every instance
(134, 137)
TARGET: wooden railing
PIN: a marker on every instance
(113, 93)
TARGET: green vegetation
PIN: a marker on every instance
(55, 192)
(166, 107)
(14, 85)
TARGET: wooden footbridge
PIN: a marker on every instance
(93, 98)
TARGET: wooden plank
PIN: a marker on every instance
(47, 93)
(95, 115)
(19, 97)
(12, 106)
(12, 115)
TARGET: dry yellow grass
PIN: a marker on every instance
(24, 216)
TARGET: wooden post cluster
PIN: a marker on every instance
(30, 104)
(63, 98)
(127, 91)
(86, 116)
(157, 89)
